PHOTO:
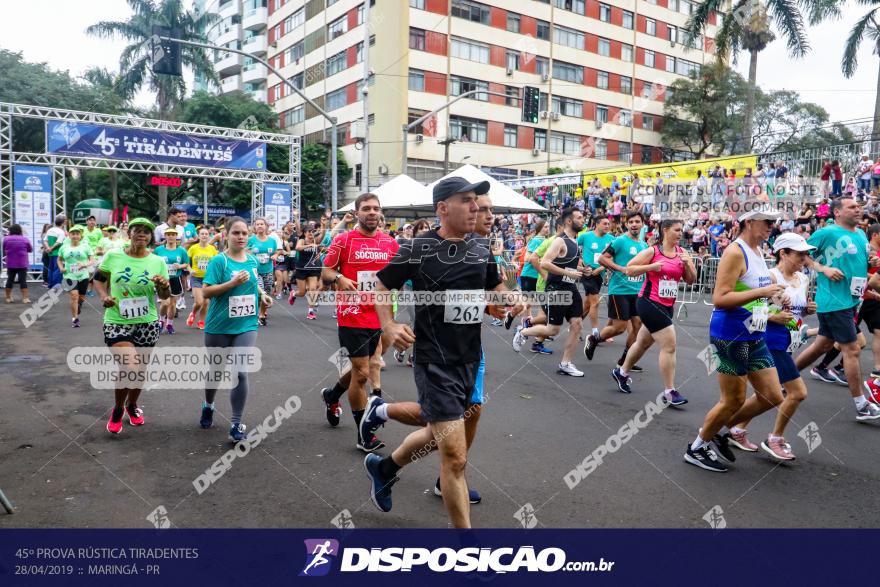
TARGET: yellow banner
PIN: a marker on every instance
(681, 171)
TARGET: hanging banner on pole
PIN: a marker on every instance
(32, 205)
(277, 198)
(128, 144)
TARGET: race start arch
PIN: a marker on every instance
(32, 185)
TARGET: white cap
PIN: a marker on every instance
(790, 240)
(763, 211)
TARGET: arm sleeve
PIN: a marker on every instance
(214, 271)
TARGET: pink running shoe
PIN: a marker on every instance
(115, 427)
(778, 449)
(135, 415)
(741, 441)
(292, 297)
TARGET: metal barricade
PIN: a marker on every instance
(689, 293)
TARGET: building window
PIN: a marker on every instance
(416, 39)
(625, 118)
(511, 96)
(568, 37)
(628, 20)
(294, 116)
(647, 122)
(568, 106)
(359, 52)
(624, 153)
(295, 53)
(467, 129)
(670, 64)
(540, 139)
(510, 135)
(336, 99)
(565, 144)
(416, 80)
(460, 85)
(646, 154)
(601, 114)
(685, 7)
(649, 58)
(651, 27)
(337, 28)
(297, 80)
(513, 22)
(543, 30)
(671, 34)
(336, 63)
(626, 85)
(414, 115)
(360, 15)
(542, 65)
(685, 67)
(512, 60)
(600, 149)
(605, 47)
(567, 72)
(420, 4)
(472, 11)
(604, 13)
(602, 80)
(470, 51)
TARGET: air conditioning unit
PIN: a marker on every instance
(554, 115)
(672, 43)
(420, 139)
(599, 124)
(536, 152)
(545, 77)
(509, 71)
(357, 129)
(383, 169)
(544, 114)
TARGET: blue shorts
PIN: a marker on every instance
(785, 366)
(741, 357)
(477, 393)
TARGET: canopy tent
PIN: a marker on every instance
(504, 199)
(402, 197)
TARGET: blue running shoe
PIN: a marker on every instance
(370, 422)
(538, 347)
(380, 487)
(673, 398)
(473, 495)
(623, 383)
(207, 417)
(237, 433)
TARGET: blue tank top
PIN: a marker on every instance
(731, 323)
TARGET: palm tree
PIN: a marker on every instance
(866, 27)
(135, 61)
(747, 27)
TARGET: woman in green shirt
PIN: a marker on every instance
(131, 321)
(232, 283)
(75, 261)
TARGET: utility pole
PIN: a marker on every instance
(365, 91)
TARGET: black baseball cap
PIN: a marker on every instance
(450, 186)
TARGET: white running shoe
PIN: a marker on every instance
(518, 339)
(570, 370)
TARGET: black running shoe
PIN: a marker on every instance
(722, 445)
(623, 383)
(371, 445)
(590, 347)
(508, 320)
(705, 458)
(334, 411)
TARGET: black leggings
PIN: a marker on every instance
(11, 274)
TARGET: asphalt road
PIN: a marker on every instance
(62, 469)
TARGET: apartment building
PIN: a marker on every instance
(241, 24)
(602, 68)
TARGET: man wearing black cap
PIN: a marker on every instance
(455, 269)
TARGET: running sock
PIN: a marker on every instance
(377, 392)
(828, 358)
(358, 416)
(596, 333)
(772, 437)
(116, 416)
(737, 430)
(860, 401)
(336, 392)
(388, 468)
(698, 443)
(382, 412)
(208, 405)
(622, 372)
(668, 391)
(623, 356)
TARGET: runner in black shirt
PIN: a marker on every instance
(446, 262)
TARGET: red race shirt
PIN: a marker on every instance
(358, 257)
(871, 271)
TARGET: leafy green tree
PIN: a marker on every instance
(865, 29)
(315, 175)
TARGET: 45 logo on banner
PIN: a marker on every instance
(108, 146)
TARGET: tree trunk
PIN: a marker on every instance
(162, 99)
(750, 101)
(875, 134)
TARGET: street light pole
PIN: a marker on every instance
(331, 119)
(365, 90)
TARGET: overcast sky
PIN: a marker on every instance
(54, 31)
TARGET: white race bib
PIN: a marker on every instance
(464, 306)
(131, 308)
(857, 286)
(262, 258)
(635, 278)
(596, 258)
(798, 338)
(203, 264)
(280, 258)
(568, 279)
(760, 314)
(367, 280)
(242, 306)
(668, 288)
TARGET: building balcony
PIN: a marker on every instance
(256, 45)
(255, 18)
(230, 63)
(254, 72)
(225, 9)
(227, 34)
(258, 95)
(230, 84)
